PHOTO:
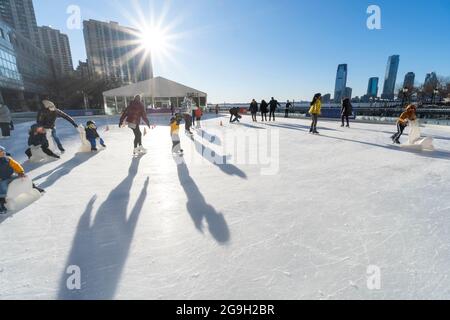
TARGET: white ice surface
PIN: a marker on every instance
(151, 229)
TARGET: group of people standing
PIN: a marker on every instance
(265, 108)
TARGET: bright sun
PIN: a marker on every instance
(154, 40)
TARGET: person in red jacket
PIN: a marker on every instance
(198, 117)
(133, 115)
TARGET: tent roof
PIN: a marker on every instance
(157, 87)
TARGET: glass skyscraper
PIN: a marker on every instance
(341, 82)
(391, 77)
(372, 89)
(410, 77)
(10, 78)
(19, 14)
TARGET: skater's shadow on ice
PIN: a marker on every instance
(53, 175)
(436, 154)
(199, 209)
(225, 167)
(208, 137)
(298, 127)
(100, 249)
(251, 126)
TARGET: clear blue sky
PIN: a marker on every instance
(239, 50)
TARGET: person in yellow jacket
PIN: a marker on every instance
(315, 111)
(9, 170)
(174, 134)
(402, 122)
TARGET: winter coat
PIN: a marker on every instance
(264, 107)
(254, 107)
(347, 108)
(91, 133)
(273, 105)
(47, 118)
(8, 166)
(174, 128)
(134, 114)
(409, 114)
(198, 113)
(5, 114)
(316, 108)
(234, 111)
(37, 139)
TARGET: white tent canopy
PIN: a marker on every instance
(157, 92)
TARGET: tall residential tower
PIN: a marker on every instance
(19, 14)
(391, 77)
(56, 45)
(341, 82)
(114, 52)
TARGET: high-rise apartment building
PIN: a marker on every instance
(114, 53)
(56, 45)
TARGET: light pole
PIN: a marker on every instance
(435, 93)
(405, 92)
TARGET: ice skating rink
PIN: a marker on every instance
(335, 212)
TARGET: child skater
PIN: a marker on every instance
(92, 135)
(38, 138)
(198, 117)
(9, 170)
(174, 134)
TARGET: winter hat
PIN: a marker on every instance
(2, 149)
(49, 105)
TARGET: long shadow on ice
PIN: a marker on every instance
(211, 156)
(53, 175)
(436, 154)
(209, 137)
(101, 249)
(199, 209)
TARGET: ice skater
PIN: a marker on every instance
(254, 110)
(346, 111)
(273, 105)
(92, 135)
(133, 115)
(234, 115)
(198, 117)
(288, 107)
(402, 122)
(47, 116)
(6, 124)
(264, 110)
(315, 110)
(37, 137)
(175, 135)
(9, 170)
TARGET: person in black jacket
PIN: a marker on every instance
(37, 137)
(234, 112)
(254, 109)
(46, 118)
(273, 104)
(264, 109)
(288, 107)
(346, 111)
(92, 135)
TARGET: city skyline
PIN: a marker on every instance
(205, 66)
